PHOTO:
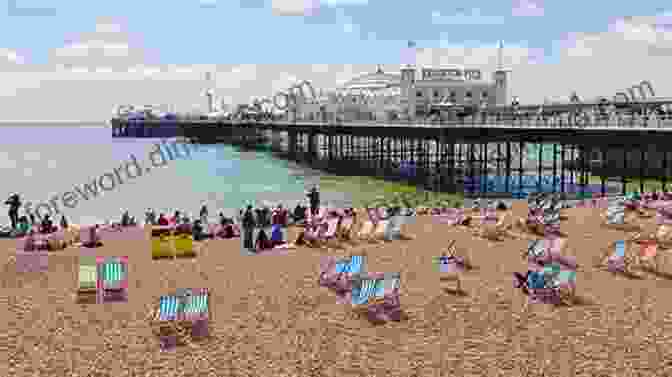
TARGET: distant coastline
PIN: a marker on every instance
(69, 123)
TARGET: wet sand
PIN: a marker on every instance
(272, 319)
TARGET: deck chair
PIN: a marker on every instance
(87, 291)
(452, 216)
(619, 258)
(162, 242)
(378, 296)
(346, 269)
(649, 256)
(492, 227)
(562, 283)
(184, 243)
(450, 269)
(615, 217)
(113, 279)
(181, 317)
(196, 309)
(344, 232)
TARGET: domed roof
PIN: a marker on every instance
(376, 79)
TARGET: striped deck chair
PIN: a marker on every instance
(88, 291)
(648, 255)
(113, 278)
(162, 242)
(345, 269)
(364, 289)
(452, 216)
(619, 259)
(345, 229)
(562, 282)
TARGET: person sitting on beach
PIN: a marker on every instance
(263, 242)
(125, 219)
(299, 213)
(175, 219)
(163, 221)
(150, 217)
(64, 222)
(276, 235)
(47, 226)
(224, 221)
(23, 227)
(266, 216)
(198, 231)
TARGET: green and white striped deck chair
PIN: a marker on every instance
(196, 305)
(113, 273)
(88, 274)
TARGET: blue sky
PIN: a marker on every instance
(251, 34)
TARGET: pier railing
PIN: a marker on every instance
(616, 123)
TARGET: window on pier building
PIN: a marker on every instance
(436, 94)
(467, 95)
(484, 95)
(452, 96)
(418, 94)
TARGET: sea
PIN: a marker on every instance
(45, 162)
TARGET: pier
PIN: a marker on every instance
(493, 158)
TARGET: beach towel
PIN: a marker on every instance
(162, 242)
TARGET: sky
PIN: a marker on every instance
(76, 60)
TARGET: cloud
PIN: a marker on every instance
(108, 45)
(463, 17)
(627, 51)
(527, 8)
(309, 7)
(295, 7)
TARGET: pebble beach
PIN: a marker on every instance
(270, 317)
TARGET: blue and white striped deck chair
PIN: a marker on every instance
(356, 264)
(363, 289)
(196, 307)
(391, 282)
(169, 307)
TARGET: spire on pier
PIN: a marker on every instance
(500, 55)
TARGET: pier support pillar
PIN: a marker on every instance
(292, 138)
(312, 146)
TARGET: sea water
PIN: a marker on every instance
(41, 162)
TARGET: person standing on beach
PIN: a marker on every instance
(314, 197)
(248, 228)
(14, 202)
(204, 214)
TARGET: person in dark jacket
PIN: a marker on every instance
(249, 224)
(14, 202)
(314, 197)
